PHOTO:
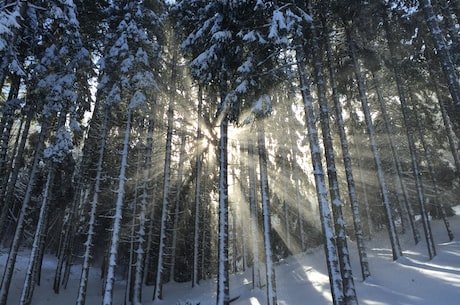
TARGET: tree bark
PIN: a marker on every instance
(138, 278)
(445, 57)
(256, 278)
(158, 289)
(332, 260)
(365, 272)
(397, 162)
(11, 261)
(223, 284)
(336, 202)
(30, 280)
(116, 227)
(395, 246)
(198, 168)
(438, 205)
(90, 235)
(265, 194)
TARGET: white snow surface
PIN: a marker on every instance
(301, 279)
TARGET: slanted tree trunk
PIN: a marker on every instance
(18, 160)
(411, 142)
(409, 132)
(31, 272)
(265, 194)
(20, 225)
(397, 163)
(90, 234)
(332, 260)
(35, 254)
(453, 140)
(365, 272)
(418, 179)
(445, 57)
(6, 125)
(438, 205)
(336, 202)
(116, 227)
(395, 246)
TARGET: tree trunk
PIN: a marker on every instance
(397, 162)
(453, 141)
(347, 164)
(256, 279)
(295, 173)
(116, 227)
(396, 248)
(18, 160)
(177, 207)
(11, 261)
(138, 278)
(158, 290)
(445, 57)
(265, 194)
(410, 139)
(418, 179)
(90, 235)
(438, 205)
(6, 125)
(30, 280)
(332, 259)
(223, 285)
(129, 291)
(336, 202)
(198, 165)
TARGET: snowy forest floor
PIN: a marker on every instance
(301, 279)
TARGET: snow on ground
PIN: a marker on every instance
(301, 279)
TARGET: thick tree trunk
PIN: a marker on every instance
(90, 234)
(332, 260)
(116, 227)
(223, 284)
(336, 202)
(348, 165)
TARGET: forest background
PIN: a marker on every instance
(181, 141)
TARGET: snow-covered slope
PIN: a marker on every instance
(301, 279)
